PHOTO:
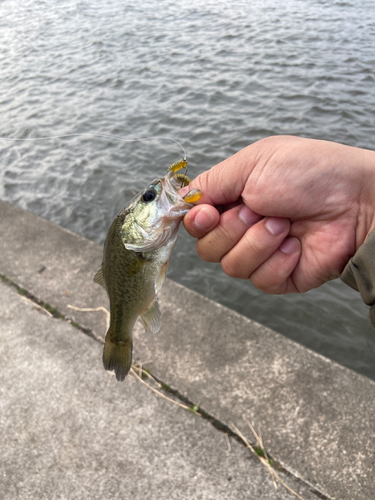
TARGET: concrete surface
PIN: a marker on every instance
(316, 417)
(67, 434)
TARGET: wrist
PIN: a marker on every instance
(366, 212)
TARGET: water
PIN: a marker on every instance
(213, 75)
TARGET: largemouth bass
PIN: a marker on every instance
(136, 256)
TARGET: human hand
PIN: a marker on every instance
(286, 212)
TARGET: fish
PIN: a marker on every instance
(136, 255)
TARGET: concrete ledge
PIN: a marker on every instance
(316, 417)
(66, 434)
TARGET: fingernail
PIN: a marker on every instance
(289, 246)
(246, 215)
(276, 225)
(203, 220)
(184, 191)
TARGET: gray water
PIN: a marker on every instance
(214, 75)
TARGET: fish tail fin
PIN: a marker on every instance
(118, 357)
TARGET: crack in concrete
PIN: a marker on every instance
(217, 424)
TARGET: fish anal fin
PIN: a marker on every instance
(99, 278)
(151, 318)
(118, 356)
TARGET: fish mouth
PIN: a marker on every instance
(178, 207)
(173, 182)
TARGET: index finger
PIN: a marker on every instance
(200, 220)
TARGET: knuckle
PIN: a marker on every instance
(270, 288)
(270, 278)
(230, 268)
(206, 251)
(255, 246)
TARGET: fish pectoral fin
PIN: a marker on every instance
(163, 272)
(99, 278)
(136, 264)
(151, 318)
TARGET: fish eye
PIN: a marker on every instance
(149, 195)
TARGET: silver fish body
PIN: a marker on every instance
(136, 256)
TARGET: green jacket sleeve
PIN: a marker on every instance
(359, 273)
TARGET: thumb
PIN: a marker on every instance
(223, 183)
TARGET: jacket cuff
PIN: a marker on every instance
(359, 273)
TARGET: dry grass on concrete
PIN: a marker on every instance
(258, 449)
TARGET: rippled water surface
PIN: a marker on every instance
(214, 75)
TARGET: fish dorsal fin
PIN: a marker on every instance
(99, 278)
(151, 318)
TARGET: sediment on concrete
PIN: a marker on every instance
(317, 418)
